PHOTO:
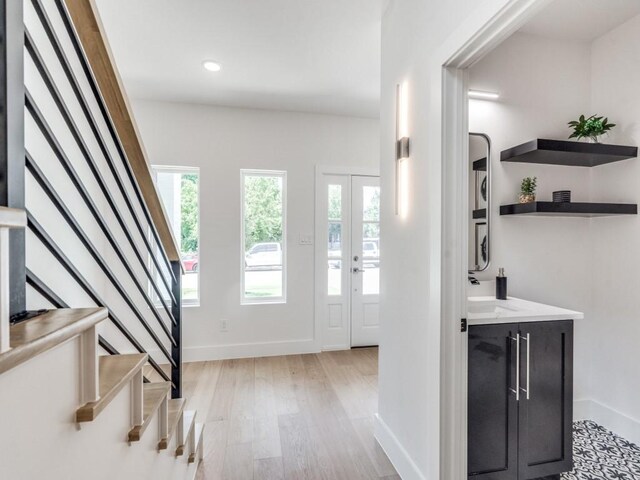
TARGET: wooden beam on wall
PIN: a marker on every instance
(91, 33)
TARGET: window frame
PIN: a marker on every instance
(183, 169)
(282, 299)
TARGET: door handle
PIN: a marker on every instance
(528, 389)
(357, 270)
(517, 390)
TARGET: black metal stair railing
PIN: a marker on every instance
(73, 81)
(148, 293)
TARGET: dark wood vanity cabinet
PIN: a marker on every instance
(520, 401)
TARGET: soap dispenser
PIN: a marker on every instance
(501, 285)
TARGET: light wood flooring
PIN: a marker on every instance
(293, 417)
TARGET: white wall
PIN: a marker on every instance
(545, 258)
(221, 141)
(417, 38)
(615, 259)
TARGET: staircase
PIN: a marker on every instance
(47, 344)
(90, 272)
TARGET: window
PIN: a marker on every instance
(178, 188)
(263, 232)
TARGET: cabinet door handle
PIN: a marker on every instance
(528, 389)
(528, 340)
(517, 390)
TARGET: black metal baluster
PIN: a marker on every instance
(176, 331)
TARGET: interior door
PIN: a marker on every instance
(365, 260)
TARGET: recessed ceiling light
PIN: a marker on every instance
(211, 66)
(480, 95)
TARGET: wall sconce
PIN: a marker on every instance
(403, 148)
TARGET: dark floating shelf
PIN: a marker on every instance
(480, 213)
(562, 152)
(569, 209)
(480, 165)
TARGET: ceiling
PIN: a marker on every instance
(581, 20)
(301, 55)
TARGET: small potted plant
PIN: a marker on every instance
(591, 128)
(528, 190)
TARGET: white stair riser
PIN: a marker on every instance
(89, 380)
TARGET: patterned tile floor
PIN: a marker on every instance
(599, 454)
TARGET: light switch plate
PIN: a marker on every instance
(305, 239)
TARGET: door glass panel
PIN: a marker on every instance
(371, 204)
(334, 236)
(334, 276)
(371, 232)
(334, 253)
(334, 241)
(335, 202)
(371, 258)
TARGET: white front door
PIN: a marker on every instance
(365, 260)
(347, 260)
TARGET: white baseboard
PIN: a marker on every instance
(609, 418)
(248, 350)
(400, 459)
(334, 348)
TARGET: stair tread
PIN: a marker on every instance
(114, 373)
(176, 407)
(39, 334)
(153, 394)
(187, 424)
(199, 434)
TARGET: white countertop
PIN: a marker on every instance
(487, 310)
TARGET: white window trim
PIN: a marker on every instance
(184, 169)
(262, 300)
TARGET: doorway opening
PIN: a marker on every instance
(527, 105)
(347, 260)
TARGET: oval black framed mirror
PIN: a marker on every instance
(479, 202)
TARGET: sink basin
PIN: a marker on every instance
(490, 307)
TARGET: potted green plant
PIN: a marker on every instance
(591, 128)
(528, 190)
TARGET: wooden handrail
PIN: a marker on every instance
(86, 20)
(12, 218)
